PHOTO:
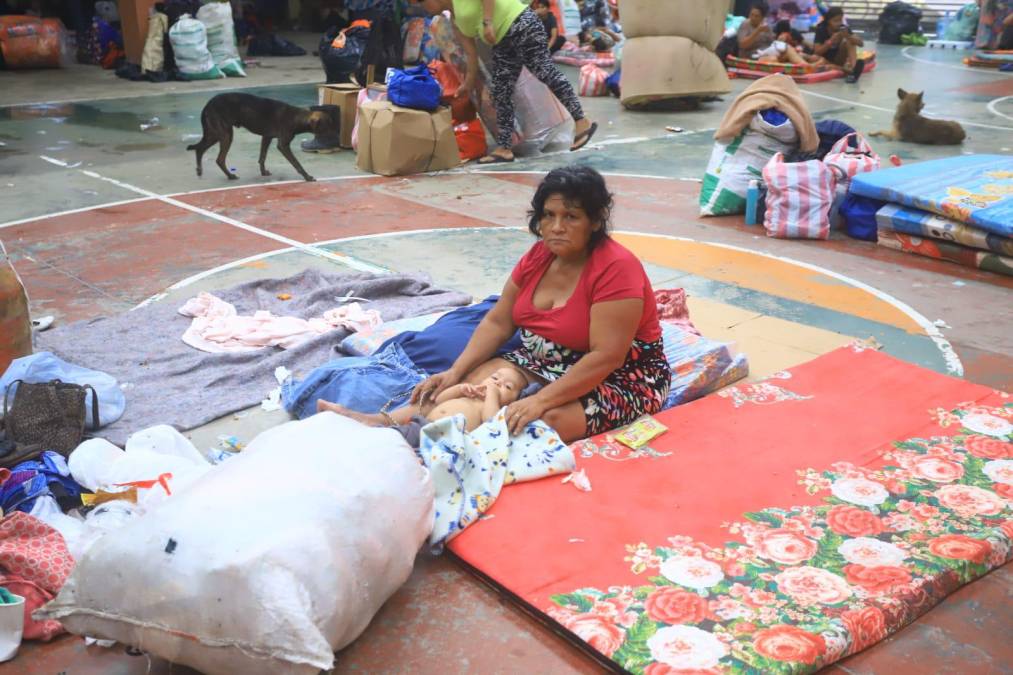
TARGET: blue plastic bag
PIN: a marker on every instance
(859, 216)
(45, 366)
(414, 88)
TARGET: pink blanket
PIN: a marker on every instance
(217, 327)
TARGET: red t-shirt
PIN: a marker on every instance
(611, 272)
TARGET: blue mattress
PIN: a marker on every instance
(972, 189)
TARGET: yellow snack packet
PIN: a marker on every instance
(641, 432)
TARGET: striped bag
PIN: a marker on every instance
(799, 196)
(592, 80)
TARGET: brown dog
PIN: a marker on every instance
(909, 125)
(265, 117)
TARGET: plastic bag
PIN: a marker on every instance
(414, 88)
(366, 94)
(249, 571)
(30, 42)
(189, 40)
(221, 37)
(471, 140)
(733, 165)
(341, 51)
(153, 56)
(799, 196)
(158, 461)
(45, 366)
(897, 19)
(593, 80)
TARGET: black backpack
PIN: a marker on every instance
(896, 19)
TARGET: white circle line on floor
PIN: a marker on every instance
(224, 188)
(953, 363)
(892, 111)
(992, 107)
(966, 69)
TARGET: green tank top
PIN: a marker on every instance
(468, 15)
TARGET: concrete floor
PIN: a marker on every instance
(100, 215)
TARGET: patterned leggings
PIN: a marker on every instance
(525, 44)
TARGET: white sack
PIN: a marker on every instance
(270, 562)
(217, 18)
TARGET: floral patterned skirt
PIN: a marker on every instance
(638, 387)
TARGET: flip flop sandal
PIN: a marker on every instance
(496, 159)
(584, 138)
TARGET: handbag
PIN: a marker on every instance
(50, 414)
(799, 197)
(414, 88)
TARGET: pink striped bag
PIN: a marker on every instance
(799, 196)
(853, 161)
(592, 80)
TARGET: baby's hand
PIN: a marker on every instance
(476, 391)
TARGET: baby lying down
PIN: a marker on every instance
(478, 403)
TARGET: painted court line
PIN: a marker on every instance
(953, 362)
(992, 107)
(306, 248)
(892, 111)
(980, 71)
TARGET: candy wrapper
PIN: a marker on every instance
(641, 432)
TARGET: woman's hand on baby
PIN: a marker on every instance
(520, 414)
(431, 387)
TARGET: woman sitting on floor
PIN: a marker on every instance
(587, 316)
(835, 42)
(759, 42)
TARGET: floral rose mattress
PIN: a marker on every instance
(777, 527)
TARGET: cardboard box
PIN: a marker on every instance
(664, 68)
(345, 97)
(395, 141)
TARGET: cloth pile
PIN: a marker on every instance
(168, 381)
(217, 327)
(958, 209)
(669, 52)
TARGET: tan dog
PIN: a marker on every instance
(909, 125)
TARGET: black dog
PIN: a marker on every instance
(265, 117)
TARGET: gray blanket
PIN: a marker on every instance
(170, 382)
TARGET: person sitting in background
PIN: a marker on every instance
(556, 41)
(755, 34)
(596, 39)
(835, 42)
(595, 14)
(788, 47)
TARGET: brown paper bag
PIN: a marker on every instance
(345, 97)
(395, 141)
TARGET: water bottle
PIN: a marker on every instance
(752, 201)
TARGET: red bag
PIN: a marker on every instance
(592, 80)
(461, 107)
(471, 140)
(30, 42)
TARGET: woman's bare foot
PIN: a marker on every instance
(362, 418)
(498, 156)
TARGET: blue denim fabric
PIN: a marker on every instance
(362, 383)
(436, 348)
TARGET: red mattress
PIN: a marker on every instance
(777, 527)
